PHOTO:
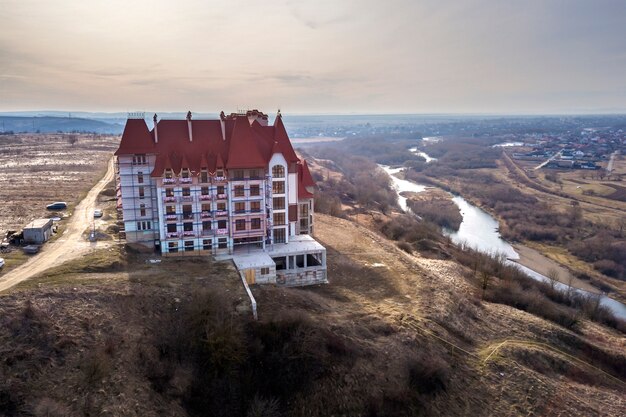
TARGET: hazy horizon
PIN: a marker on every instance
(482, 57)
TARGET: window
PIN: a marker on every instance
(253, 174)
(265, 271)
(172, 247)
(278, 203)
(206, 225)
(140, 177)
(220, 189)
(186, 191)
(279, 236)
(221, 224)
(204, 176)
(278, 171)
(279, 219)
(278, 187)
(237, 174)
(221, 206)
(304, 210)
(142, 210)
(240, 224)
(139, 159)
(170, 210)
(255, 190)
(300, 261)
(240, 207)
(188, 245)
(185, 174)
(142, 192)
(143, 226)
(187, 213)
(206, 208)
(204, 191)
(219, 173)
(255, 206)
(239, 191)
(281, 263)
(207, 244)
(168, 174)
(171, 228)
(255, 224)
(169, 192)
(187, 227)
(222, 243)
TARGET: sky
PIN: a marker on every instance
(329, 57)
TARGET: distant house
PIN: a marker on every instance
(230, 188)
(38, 231)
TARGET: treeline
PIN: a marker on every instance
(362, 183)
(523, 216)
(381, 149)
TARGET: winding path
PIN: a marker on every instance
(70, 245)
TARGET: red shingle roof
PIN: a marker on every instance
(229, 142)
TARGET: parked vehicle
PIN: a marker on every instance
(97, 213)
(31, 249)
(59, 205)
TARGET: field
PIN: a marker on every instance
(38, 169)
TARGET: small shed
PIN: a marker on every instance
(38, 231)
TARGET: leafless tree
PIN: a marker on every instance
(553, 277)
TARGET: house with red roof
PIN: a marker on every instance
(229, 188)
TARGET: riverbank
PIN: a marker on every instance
(538, 262)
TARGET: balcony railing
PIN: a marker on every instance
(219, 179)
(168, 180)
(222, 231)
(221, 213)
(205, 197)
(185, 180)
(205, 214)
(169, 199)
(187, 198)
(221, 196)
(171, 217)
(189, 233)
(207, 232)
(172, 235)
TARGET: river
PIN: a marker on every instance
(480, 231)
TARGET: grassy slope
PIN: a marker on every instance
(406, 335)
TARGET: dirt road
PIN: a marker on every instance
(70, 245)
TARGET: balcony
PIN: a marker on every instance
(187, 216)
(222, 232)
(185, 180)
(205, 197)
(221, 196)
(170, 199)
(221, 213)
(219, 179)
(189, 233)
(205, 214)
(207, 233)
(172, 235)
(187, 198)
(168, 181)
(171, 217)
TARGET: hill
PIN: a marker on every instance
(50, 124)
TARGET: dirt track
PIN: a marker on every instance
(70, 245)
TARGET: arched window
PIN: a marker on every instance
(278, 171)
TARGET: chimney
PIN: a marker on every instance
(156, 133)
(189, 126)
(223, 125)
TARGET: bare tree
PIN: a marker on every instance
(553, 277)
(485, 278)
(72, 139)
